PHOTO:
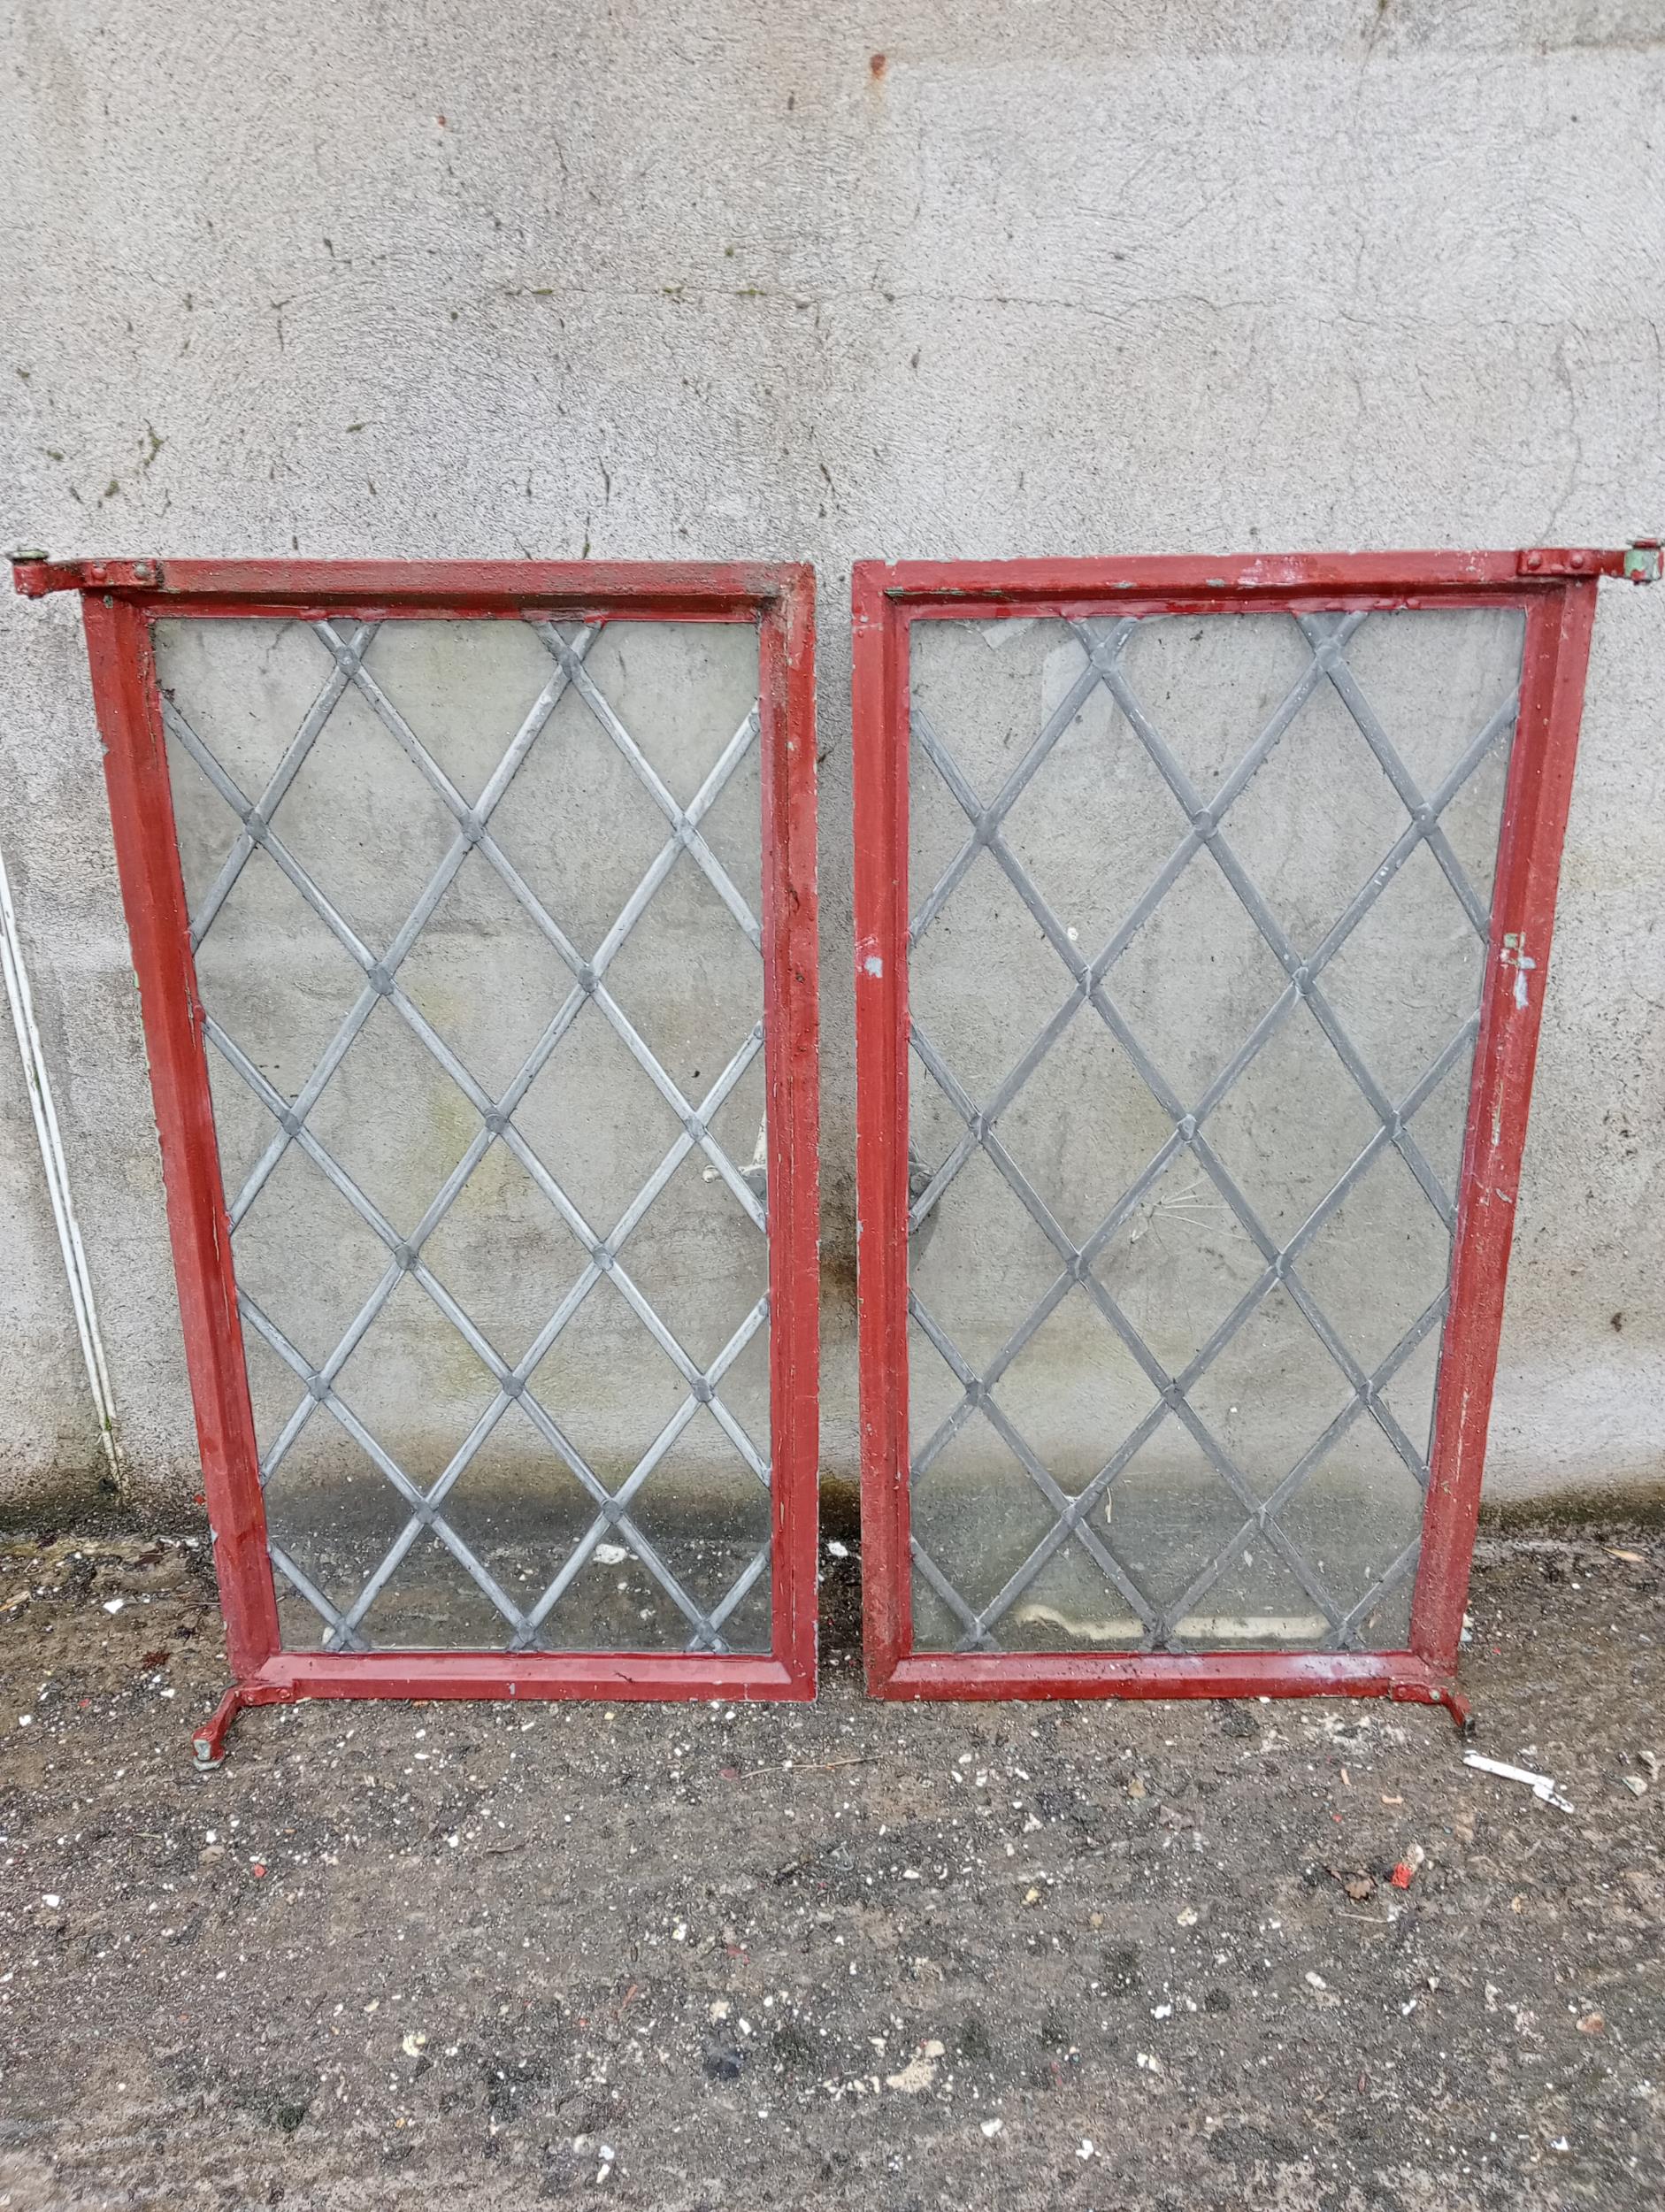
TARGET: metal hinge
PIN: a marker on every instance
(35, 574)
(1639, 562)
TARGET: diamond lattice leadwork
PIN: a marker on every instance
(1255, 1516)
(615, 1526)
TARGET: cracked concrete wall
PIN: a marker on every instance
(824, 283)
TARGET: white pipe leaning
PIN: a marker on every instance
(51, 1143)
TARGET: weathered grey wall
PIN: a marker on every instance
(1066, 278)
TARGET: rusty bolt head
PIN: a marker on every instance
(1534, 560)
(1575, 560)
(97, 572)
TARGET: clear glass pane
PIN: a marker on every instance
(1142, 1160)
(504, 1315)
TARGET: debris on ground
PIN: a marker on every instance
(1541, 1785)
(705, 1958)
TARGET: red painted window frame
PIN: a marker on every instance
(1556, 590)
(120, 600)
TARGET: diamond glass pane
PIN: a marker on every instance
(475, 908)
(1198, 910)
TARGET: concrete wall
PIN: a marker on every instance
(826, 282)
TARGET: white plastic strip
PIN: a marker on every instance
(51, 1143)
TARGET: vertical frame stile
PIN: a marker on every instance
(1556, 656)
(792, 1049)
(879, 728)
(153, 892)
(120, 601)
(1555, 590)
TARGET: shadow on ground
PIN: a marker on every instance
(1101, 1957)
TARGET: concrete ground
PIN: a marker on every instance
(1101, 1957)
